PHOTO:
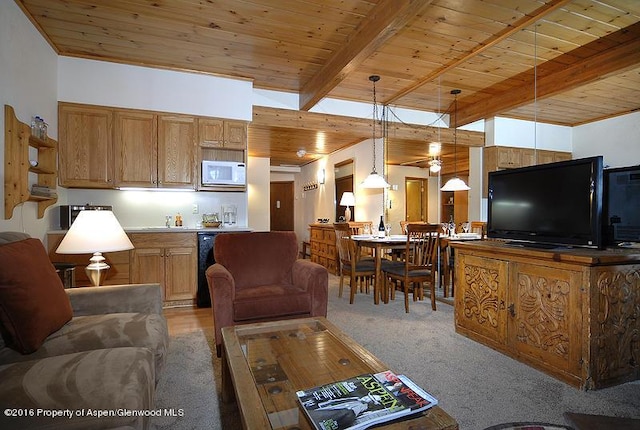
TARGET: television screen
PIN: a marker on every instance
(622, 204)
(551, 204)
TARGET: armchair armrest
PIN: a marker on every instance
(222, 288)
(139, 298)
(315, 279)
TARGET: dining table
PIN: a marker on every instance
(381, 243)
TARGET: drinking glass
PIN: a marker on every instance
(366, 230)
(465, 227)
(387, 229)
(445, 228)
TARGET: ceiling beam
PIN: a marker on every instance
(360, 127)
(385, 20)
(517, 26)
(609, 61)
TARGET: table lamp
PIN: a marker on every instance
(348, 199)
(95, 231)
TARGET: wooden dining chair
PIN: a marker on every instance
(418, 268)
(479, 227)
(359, 270)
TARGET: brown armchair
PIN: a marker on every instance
(258, 277)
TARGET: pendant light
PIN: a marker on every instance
(374, 180)
(455, 183)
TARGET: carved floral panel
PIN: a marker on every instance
(617, 325)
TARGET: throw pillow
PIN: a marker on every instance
(33, 303)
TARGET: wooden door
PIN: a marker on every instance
(85, 147)
(176, 152)
(180, 273)
(343, 185)
(136, 149)
(416, 199)
(281, 206)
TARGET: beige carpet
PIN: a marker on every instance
(476, 385)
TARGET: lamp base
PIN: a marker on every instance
(347, 214)
(97, 270)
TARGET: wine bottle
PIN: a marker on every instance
(381, 227)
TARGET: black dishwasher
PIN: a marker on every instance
(206, 240)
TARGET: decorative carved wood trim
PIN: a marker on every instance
(481, 294)
(617, 328)
(541, 320)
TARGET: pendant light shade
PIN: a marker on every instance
(374, 180)
(455, 183)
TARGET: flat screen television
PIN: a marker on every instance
(548, 205)
(621, 213)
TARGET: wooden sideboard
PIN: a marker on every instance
(574, 314)
(323, 246)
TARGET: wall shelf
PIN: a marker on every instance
(17, 141)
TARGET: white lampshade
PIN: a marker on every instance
(95, 232)
(348, 199)
(375, 181)
(455, 184)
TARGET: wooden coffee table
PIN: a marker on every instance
(264, 364)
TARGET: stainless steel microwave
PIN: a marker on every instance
(229, 173)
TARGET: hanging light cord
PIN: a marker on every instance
(455, 130)
(374, 79)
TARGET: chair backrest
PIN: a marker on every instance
(346, 247)
(422, 245)
(478, 227)
(403, 225)
(257, 258)
(357, 227)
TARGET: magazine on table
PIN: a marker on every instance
(362, 401)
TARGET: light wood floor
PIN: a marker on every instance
(188, 319)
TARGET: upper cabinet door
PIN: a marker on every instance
(85, 147)
(136, 155)
(176, 151)
(211, 132)
(235, 134)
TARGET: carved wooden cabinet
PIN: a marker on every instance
(323, 246)
(574, 314)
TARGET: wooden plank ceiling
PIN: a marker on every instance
(566, 62)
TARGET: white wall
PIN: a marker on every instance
(617, 139)
(28, 82)
(258, 193)
(121, 85)
(526, 134)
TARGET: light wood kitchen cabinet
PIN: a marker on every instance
(176, 151)
(154, 150)
(169, 259)
(136, 149)
(85, 151)
(455, 205)
(570, 313)
(505, 157)
(218, 133)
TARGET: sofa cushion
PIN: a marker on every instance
(270, 301)
(100, 380)
(33, 303)
(91, 332)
